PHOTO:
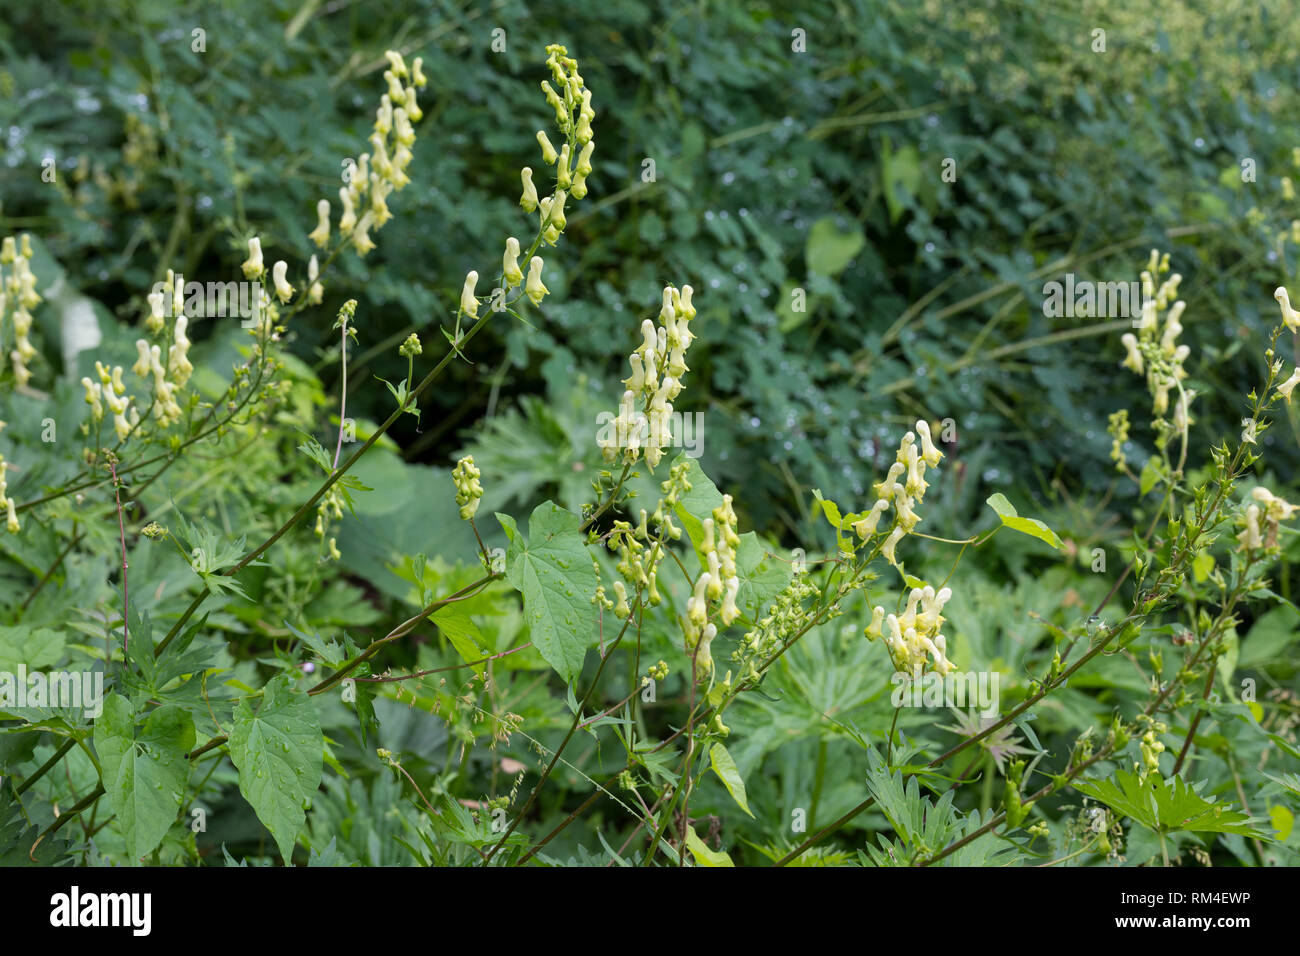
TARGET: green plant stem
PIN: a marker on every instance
(555, 757)
(46, 767)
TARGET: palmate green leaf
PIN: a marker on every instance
(553, 571)
(762, 576)
(1165, 806)
(313, 450)
(698, 503)
(33, 647)
(18, 846)
(144, 768)
(1030, 526)
(278, 752)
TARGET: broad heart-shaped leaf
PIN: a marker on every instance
(761, 576)
(1166, 805)
(553, 571)
(278, 752)
(725, 767)
(829, 250)
(455, 622)
(698, 503)
(1030, 526)
(144, 768)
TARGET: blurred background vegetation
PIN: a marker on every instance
(774, 170)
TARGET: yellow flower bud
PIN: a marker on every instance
(548, 151)
(412, 107)
(562, 176)
(529, 199)
(144, 362)
(321, 234)
(533, 288)
(468, 303)
(315, 291)
(253, 266)
(510, 264)
(348, 220)
(395, 91)
(396, 62)
(283, 290)
(361, 240)
(583, 169)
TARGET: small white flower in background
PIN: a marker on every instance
(157, 312)
(1275, 508)
(1287, 387)
(1249, 537)
(178, 363)
(253, 266)
(315, 291)
(1134, 359)
(11, 513)
(283, 290)
(1289, 315)
(94, 395)
(348, 219)
(321, 234)
(361, 240)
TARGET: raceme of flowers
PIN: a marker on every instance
(468, 489)
(572, 167)
(364, 198)
(909, 466)
(1154, 350)
(913, 638)
(382, 171)
(718, 583)
(1291, 318)
(658, 365)
(18, 292)
(1260, 520)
